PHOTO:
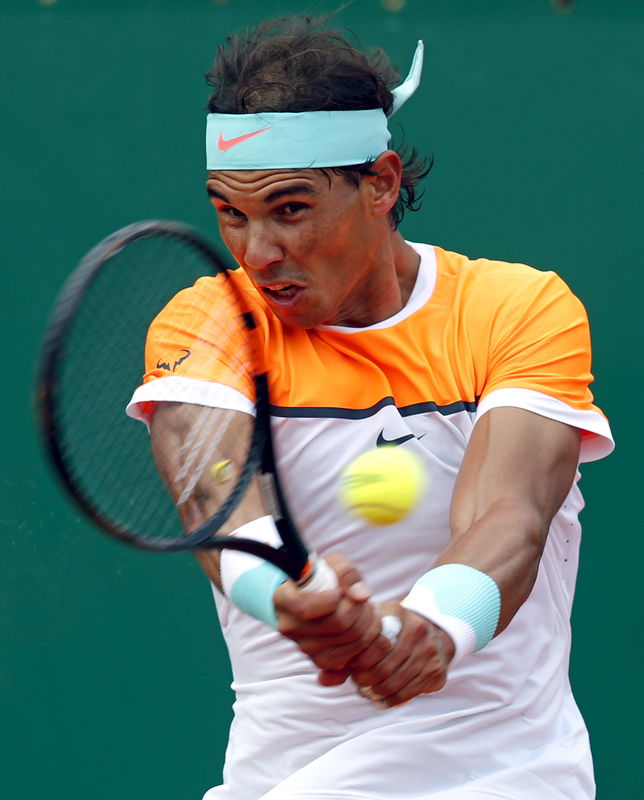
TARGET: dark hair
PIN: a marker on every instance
(295, 63)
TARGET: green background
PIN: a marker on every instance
(113, 676)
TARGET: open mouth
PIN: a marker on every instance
(281, 291)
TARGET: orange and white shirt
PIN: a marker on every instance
(473, 335)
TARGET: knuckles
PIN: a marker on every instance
(418, 629)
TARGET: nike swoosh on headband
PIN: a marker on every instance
(311, 139)
(226, 144)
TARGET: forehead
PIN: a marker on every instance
(263, 184)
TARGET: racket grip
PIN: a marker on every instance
(321, 577)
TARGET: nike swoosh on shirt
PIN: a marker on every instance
(382, 442)
(226, 144)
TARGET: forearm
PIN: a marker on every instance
(516, 473)
(470, 593)
(506, 544)
(187, 440)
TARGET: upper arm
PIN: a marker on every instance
(515, 456)
(516, 473)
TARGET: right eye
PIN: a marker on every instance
(230, 212)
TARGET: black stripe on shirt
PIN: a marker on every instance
(364, 413)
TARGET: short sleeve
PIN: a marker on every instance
(539, 354)
(192, 355)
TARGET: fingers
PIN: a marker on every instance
(296, 607)
(349, 578)
(336, 650)
(417, 664)
(334, 626)
(333, 677)
(341, 632)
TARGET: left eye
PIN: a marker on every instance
(231, 212)
(292, 208)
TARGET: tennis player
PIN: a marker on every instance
(480, 367)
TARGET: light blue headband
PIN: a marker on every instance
(305, 139)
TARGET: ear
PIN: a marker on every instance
(386, 182)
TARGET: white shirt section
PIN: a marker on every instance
(175, 389)
(504, 726)
(597, 440)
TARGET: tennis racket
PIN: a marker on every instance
(182, 491)
(92, 360)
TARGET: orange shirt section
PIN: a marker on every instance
(487, 325)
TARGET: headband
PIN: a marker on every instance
(291, 140)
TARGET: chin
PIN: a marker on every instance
(304, 323)
(295, 319)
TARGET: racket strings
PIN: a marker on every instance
(225, 355)
(101, 362)
(201, 451)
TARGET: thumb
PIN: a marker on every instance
(332, 677)
(359, 592)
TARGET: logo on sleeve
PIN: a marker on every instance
(172, 361)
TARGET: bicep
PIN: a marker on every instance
(515, 456)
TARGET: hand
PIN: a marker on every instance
(334, 626)
(417, 663)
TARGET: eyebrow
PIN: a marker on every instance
(300, 188)
(213, 193)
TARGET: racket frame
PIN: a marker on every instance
(293, 557)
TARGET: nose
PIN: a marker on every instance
(261, 247)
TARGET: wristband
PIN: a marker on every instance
(463, 601)
(248, 581)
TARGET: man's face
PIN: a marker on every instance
(309, 242)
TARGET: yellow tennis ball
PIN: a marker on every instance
(383, 485)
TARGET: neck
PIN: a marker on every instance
(387, 289)
(406, 262)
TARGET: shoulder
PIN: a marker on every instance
(479, 274)
(487, 287)
(191, 305)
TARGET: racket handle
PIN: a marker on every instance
(323, 577)
(320, 578)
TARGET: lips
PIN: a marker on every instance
(282, 292)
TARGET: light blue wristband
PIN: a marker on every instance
(463, 601)
(247, 581)
(253, 592)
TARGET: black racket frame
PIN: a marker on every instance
(293, 557)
